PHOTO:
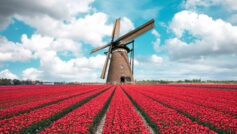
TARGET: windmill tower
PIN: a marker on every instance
(120, 66)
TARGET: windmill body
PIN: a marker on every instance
(120, 65)
(119, 69)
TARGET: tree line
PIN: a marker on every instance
(186, 81)
(4, 81)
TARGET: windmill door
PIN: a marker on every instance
(122, 79)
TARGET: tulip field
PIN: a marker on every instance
(110, 109)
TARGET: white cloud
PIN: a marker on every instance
(7, 74)
(58, 9)
(78, 69)
(39, 43)
(201, 48)
(10, 51)
(155, 33)
(54, 36)
(59, 29)
(56, 69)
(206, 69)
(153, 60)
(156, 59)
(126, 26)
(33, 47)
(230, 5)
(59, 19)
(90, 29)
(233, 19)
(32, 74)
(130, 8)
(156, 43)
(52, 67)
(211, 37)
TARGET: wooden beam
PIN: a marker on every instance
(136, 32)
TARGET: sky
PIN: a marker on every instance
(50, 40)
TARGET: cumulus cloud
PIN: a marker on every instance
(62, 21)
(156, 43)
(224, 9)
(233, 19)
(38, 43)
(10, 51)
(131, 8)
(59, 30)
(33, 47)
(227, 4)
(63, 9)
(200, 47)
(90, 29)
(156, 59)
(126, 25)
(78, 69)
(208, 68)
(7, 74)
(52, 67)
(32, 74)
(211, 37)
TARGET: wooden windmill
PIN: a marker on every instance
(121, 67)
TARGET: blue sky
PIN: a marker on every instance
(50, 40)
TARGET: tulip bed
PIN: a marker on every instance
(218, 121)
(166, 119)
(221, 86)
(18, 95)
(24, 108)
(122, 116)
(17, 123)
(157, 108)
(80, 119)
(207, 98)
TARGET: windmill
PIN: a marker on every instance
(121, 68)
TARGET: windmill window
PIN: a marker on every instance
(128, 78)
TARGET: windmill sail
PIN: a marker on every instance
(114, 33)
(136, 32)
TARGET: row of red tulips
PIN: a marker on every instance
(22, 121)
(228, 96)
(199, 97)
(122, 117)
(215, 119)
(166, 119)
(14, 97)
(227, 86)
(19, 96)
(6, 113)
(77, 109)
(80, 119)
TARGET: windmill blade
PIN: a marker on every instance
(115, 33)
(99, 48)
(136, 32)
(102, 76)
(116, 29)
